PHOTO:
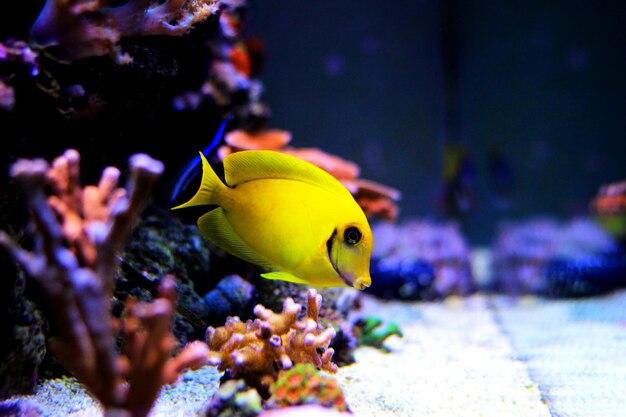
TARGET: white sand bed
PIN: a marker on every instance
(481, 356)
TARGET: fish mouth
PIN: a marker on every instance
(358, 284)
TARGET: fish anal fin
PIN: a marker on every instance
(284, 276)
(244, 166)
(215, 226)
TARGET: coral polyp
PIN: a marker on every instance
(256, 350)
(303, 384)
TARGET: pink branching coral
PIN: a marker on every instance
(83, 28)
(257, 350)
(78, 234)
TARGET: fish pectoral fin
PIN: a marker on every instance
(284, 276)
(215, 226)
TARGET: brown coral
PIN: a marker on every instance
(78, 234)
(257, 349)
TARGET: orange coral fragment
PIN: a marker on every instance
(273, 139)
(241, 60)
(334, 165)
(611, 199)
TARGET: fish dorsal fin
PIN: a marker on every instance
(247, 166)
(216, 228)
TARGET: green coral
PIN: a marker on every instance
(304, 384)
(369, 333)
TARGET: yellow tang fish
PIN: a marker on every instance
(287, 216)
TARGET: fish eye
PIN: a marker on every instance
(352, 235)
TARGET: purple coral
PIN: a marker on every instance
(79, 29)
(407, 255)
(524, 249)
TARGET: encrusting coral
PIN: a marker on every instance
(79, 29)
(257, 349)
(303, 384)
(79, 232)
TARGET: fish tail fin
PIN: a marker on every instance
(210, 188)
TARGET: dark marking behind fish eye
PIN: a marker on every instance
(329, 243)
(352, 235)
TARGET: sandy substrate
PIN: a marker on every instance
(480, 356)
(452, 360)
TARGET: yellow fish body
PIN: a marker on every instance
(287, 216)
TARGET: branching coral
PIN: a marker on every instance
(78, 234)
(83, 28)
(257, 350)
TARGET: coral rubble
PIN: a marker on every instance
(257, 349)
(78, 234)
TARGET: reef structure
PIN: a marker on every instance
(78, 234)
(256, 350)
(77, 29)
(430, 261)
(561, 259)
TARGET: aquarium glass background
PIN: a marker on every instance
(534, 92)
